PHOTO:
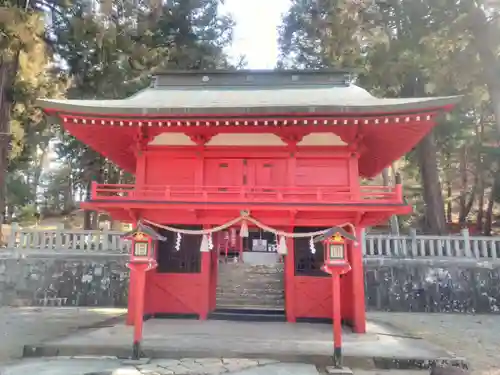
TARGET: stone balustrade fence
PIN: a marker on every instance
(461, 245)
(103, 242)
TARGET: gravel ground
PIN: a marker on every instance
(475, 337)
(21, 326)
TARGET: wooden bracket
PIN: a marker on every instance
(133, 214)
(142, 138)
(292, 139)
(200, 139)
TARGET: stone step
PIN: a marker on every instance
(242, 285)
(252, 308)
(246, 294)
(248, 270)
(256, 284)
(242, 281)
(254, 294)
(251, 273)
(245, 286)
(241, 316)
(251, 297)
(249, 276)
(253, 270)
(251, 286)
(277, 266)
(245, 303)
(249, 282)
(261, 271)
(248, 289)
(272, 299)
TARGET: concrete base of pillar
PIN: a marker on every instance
(331, 370)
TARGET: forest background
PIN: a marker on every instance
(108, 49)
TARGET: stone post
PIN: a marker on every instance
(413, 236)
(59, 232)
(14, 228)
(466, 239)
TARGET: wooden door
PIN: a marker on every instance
(226, 175)
(266, 175)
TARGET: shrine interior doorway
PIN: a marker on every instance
(250, 278)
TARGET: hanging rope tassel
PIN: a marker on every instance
(210, 242)
(282, 248)
(178, 242)
(311, 246)
(244, 229)
(205, 245)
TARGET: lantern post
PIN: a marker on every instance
(336, 264)
(142, 259)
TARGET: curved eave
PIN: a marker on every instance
(384, 144)
(113, 145)
(128, 108)
(381, 142)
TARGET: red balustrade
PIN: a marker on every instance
(236, 194)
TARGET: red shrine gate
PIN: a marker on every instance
(287, 146)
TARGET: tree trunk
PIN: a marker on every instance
(449, 205)
(394, 219)
(426, 150)
(87, 215)
(435, 218)
(462, 217)
(480, 208)
(449, 188)
(486, 45)
(8, 72)
(491, 203)
(481, 177)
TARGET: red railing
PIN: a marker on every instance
(377, 194)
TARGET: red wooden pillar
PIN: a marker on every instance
(206, 262)
(140, 181)
(132, 294)
(205, 282)
(289, 280)
(214, 270)
(358, 284)
(337, 319)
(132, 283)
(139, 270)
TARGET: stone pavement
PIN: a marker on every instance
(302, 342)
(31, 325)
(476, 337)
(203, 366)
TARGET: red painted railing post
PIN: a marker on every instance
(399, 192)
(291, 195)
(93, 190)
(319, 194)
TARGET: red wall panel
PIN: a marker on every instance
(312, 297)
(223, 172)
(174, 293)
(170, 171)
(322, 172)
(239, 167)
(266, 172)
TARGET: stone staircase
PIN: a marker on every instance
(250, 287)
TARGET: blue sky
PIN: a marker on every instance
(255, 35)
